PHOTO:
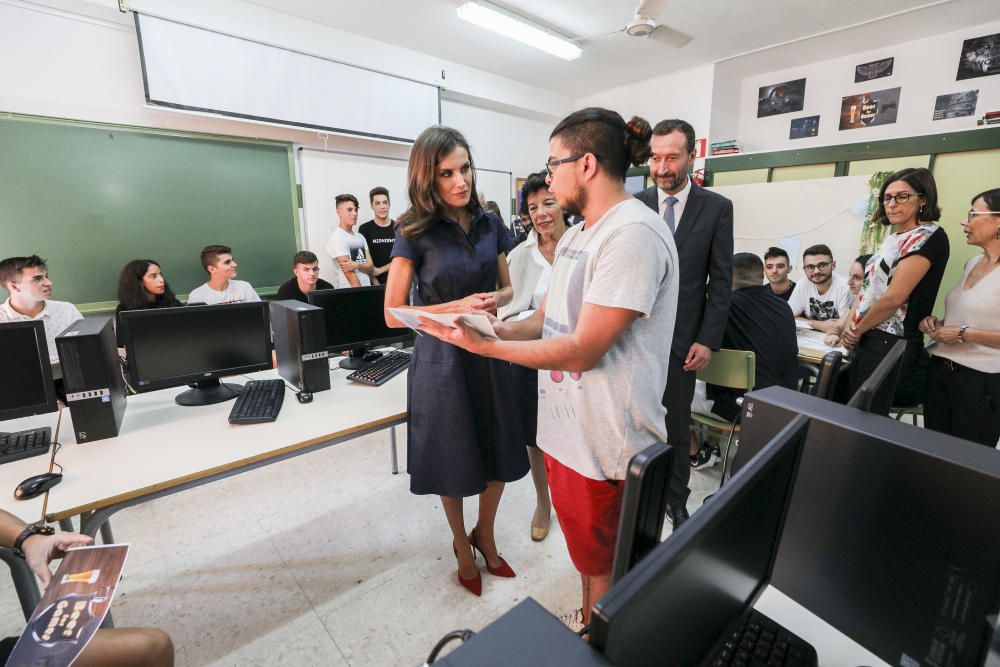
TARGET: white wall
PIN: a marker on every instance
(923, 68)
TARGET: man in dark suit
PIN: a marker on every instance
(702, 224)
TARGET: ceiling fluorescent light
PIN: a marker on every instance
(513, 26)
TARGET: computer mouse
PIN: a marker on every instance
(371, 356)
(304, 397)
(37, 485)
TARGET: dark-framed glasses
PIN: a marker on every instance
(901, 198)
(820, 266)
(549, 164)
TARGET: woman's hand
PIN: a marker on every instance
(947, 335)
(929, 325)
(490, 302)
(472, 303)
(833, 340)
(850, 336)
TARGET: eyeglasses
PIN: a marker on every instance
(809, 268)
(900, 198)
(549, 164)
(972, 214)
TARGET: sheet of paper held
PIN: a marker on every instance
(479, 322)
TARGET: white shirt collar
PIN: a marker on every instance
(14, 315)
(681, 196)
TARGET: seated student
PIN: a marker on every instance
(825, 296)
(306, 270)
(349, 250)
(379, 233)
(758, 322)
(120, 647)
(777, 265)
(26, 279)
(221, 286)
(142, 285)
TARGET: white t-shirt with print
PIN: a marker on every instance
(353, 246)
(238, 291)
(808, 302)
(596, 421)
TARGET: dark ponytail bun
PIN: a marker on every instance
(637, 136)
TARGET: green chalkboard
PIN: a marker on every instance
(90, 198)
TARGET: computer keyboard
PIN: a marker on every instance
(757, 641)
(259, 402)
(24, 444)
(382, 369)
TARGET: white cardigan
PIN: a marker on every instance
(524, 275)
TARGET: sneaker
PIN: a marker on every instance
(573, 620)
(706, 457)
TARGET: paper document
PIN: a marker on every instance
(799, 324)
(479, 322)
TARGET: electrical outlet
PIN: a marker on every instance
(123, 6)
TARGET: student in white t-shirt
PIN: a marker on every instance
(823, 297)
(26, 279)
(352, 263)
(222, 286)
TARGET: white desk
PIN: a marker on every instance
(164, 448)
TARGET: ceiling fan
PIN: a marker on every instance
(645, 24)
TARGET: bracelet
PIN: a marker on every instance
(961, 332)
(32, 529)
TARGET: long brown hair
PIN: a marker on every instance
(434, 144)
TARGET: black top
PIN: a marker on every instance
(160, 303)
(290, 290)
(759, 321)
(922, 298)
(784, 296)
(380, 240)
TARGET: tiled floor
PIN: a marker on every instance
(326, 559)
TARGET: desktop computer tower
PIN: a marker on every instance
(300, 344)
(92, 377)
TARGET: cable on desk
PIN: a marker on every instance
(464, 635)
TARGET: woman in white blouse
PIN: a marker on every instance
(530, 265)
(963, 398)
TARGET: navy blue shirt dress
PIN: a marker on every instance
(460, 435)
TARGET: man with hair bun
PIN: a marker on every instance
(598, 335)
(701, 223)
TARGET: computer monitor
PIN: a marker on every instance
(355, 322)
(24, 357)
(875, 394)
(171, 347)
(644, 504)
(675, 604)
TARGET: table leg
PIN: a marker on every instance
(107, 537)
(25, 584)
(66, 525)
(392, 445)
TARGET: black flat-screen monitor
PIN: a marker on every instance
(875, 394)
(644, 504)
(355, 321)
(171, 347)
(27, 387)
(675, 605)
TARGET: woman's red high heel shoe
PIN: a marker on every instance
(474, 584)
(501, 570)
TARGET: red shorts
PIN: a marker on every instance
(589, 511)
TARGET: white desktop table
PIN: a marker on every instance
(163, 448)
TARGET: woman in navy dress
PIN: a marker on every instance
(461, 439)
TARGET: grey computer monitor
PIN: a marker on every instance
(676, 603)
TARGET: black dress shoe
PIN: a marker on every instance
(678, 516)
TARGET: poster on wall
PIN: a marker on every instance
(869, 109)
(980, 57)
(781, 98)
(955, 105)
(801, 128)
(876, 69)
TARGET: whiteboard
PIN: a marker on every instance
(324, 175)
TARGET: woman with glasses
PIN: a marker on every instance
(855, 279)
(459, 443)
(963, 396)
(530, 269)
(900, 286)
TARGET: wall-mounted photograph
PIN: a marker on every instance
(876, 69)
(869, 109)
(980, 57)
(800, 128)
(781, 98)
(955, 105)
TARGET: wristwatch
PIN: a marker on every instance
(32, 529)
(961, 332)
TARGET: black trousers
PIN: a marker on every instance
(963, 402)
(677, 400)
(911, 388)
